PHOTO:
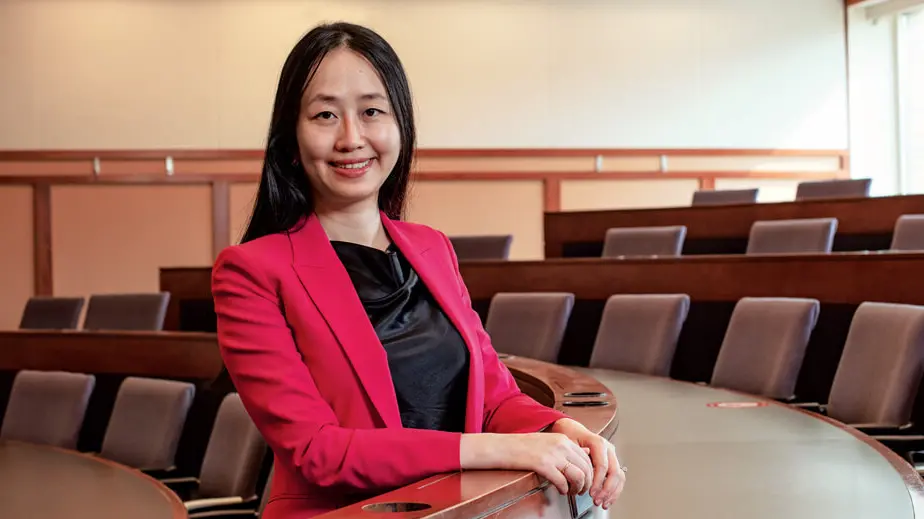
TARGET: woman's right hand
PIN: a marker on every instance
(551, 455)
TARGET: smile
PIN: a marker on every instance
(351, 165)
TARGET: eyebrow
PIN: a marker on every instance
(327, 98)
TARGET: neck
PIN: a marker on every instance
(361, 225)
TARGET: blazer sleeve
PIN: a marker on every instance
(280, 395)
(506, 408)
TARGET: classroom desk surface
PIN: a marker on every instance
(49, 483)
(689, 459)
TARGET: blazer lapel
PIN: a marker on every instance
(328, 284)
(441, 281)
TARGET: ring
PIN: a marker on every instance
(625, 469)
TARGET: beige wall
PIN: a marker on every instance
(519, 73)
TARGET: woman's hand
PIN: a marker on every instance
(553, 456)
(609, 478)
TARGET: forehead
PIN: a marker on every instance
(344, 73)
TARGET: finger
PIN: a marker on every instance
(615, 481)
(599, 456)
(575, 477)
(557, 478)
(581, 460)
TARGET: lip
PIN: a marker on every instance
(353, 172)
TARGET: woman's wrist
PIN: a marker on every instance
(479, 451)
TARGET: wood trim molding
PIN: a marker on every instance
(251, 154)
(221, 216)
(41, 230)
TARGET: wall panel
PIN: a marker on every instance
(16, 271)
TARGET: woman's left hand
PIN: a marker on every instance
(609, 477)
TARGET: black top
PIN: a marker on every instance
(426, 354)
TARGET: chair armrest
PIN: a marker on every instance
(224, 514)
(814, 407)
(214, 502)
(902, 444)
(185, 488)
(879, 429)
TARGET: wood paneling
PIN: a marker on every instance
(867, 216)
(41, 228)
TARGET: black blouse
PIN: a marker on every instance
(426, 354)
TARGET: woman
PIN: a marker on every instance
(350, 334)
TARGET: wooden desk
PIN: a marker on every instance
(840, 281)
(195, 356)
(49, 483)
(863, 224)
(689, 460)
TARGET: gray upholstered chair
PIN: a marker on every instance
(644, 241)
(487, 247)
(725, 196)
(809, 235)
(51, 313)
(529, 324)
(146, 423)
(231, 465)
(638, 333)
(47, 407)
(908, 234)
(881, 366)
(144, 312)
(846, 188)
(764, 346)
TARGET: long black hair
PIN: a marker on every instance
(285, 195)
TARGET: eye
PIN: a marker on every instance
(372, 112)
(326, 116)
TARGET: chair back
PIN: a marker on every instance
(908, 234)
(765, 345)
(845, 188)
(146, 422)
(144, 312)
(488, 247)
(529, 324)
(880, 370)
(809, 235)
(47, 407)
(725, 196)
(638, 333)
(234, 454)
(51, 313)
(633, 242)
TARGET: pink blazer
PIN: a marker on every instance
(314, 377)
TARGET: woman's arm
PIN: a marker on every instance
(280, 395)
(506, 408)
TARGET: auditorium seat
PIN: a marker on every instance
(142, 312)
(529, 324)
(489, 247)
(47, 407)
(146, 422)
(51, 313)
(821, 189)
(724, 196)
(631, 242)
(638, 333)
(764, 345)
(909, 233)
(881, 366)
(809, 235)
(231, 465)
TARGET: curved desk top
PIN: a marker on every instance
(51, 483)
(463, 495)
(692, 460)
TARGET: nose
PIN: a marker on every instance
(351, 136)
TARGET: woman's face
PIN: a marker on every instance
(348, 138)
